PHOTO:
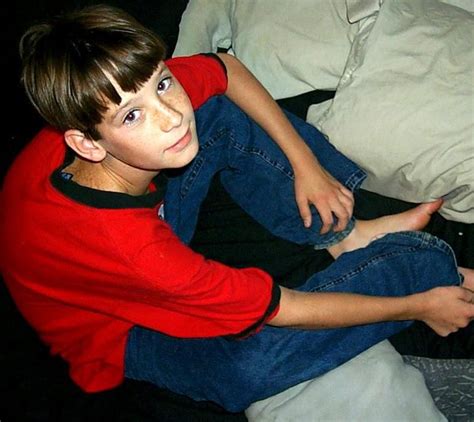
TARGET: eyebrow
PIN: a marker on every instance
(119, 110)
(159, 70)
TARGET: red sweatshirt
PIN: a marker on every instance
(84, 266)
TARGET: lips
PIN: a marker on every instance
(182, 143)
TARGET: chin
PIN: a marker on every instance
(186, 156)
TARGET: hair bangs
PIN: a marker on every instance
(73, 66)
(133, 64)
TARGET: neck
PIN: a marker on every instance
(102, 176)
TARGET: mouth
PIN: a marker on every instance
(181, 143)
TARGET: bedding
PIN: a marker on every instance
(395, 390)
(297, 59)
(403, 74)
(403, 108)
(291, 50)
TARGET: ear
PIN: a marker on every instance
(83, 146)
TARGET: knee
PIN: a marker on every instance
(429, 259)
(439, 261)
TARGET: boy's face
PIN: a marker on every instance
(152, 129)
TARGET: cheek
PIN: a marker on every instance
(181, 98)
(188, 156)
(126, 149)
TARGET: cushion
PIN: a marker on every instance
(204, 27)
(291, 50)
(374, 386)
(404, 107)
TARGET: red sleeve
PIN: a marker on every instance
(148, 277)
(202, 76)
(199, 296)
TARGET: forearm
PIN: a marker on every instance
(314, 186)
(247, 92)
(333, 310)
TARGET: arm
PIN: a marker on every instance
(444, 309)
(313, 185)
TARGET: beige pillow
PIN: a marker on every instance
(404, 108)
(292, 47)
(375, 386)
(204, 27)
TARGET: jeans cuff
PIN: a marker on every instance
(355, 180)
(334, 238)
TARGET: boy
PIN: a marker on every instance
(96, 270)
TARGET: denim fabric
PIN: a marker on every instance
(236, 373)
(255, 173)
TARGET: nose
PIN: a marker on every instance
(168, 116)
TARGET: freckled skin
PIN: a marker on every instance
(150, 130)
(143, 134)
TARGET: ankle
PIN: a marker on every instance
(349, 243)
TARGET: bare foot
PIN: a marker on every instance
(468, 278)
(365, 231)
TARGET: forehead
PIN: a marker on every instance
(128, 97)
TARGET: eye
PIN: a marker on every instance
(131, 117)
(164, 84)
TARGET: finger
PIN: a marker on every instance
(341, 224)
(347, 193)
(446, 330)
(467, 295)
(342, 217)
(346, 196)
(326, 218)
(305, 213)
(347, 203)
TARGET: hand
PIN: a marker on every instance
(447, 309)
(314, 185)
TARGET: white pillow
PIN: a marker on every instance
(372, 387)
(293, 47)
(204, 27)
(463, 4)
(404, 106)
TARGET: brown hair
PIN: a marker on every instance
(68, 62)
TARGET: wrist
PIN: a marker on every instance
(417, 305)
(300, 161)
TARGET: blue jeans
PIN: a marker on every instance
(255, 173)
(236, 373)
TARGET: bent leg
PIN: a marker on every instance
(236, 373)
(255, 172)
